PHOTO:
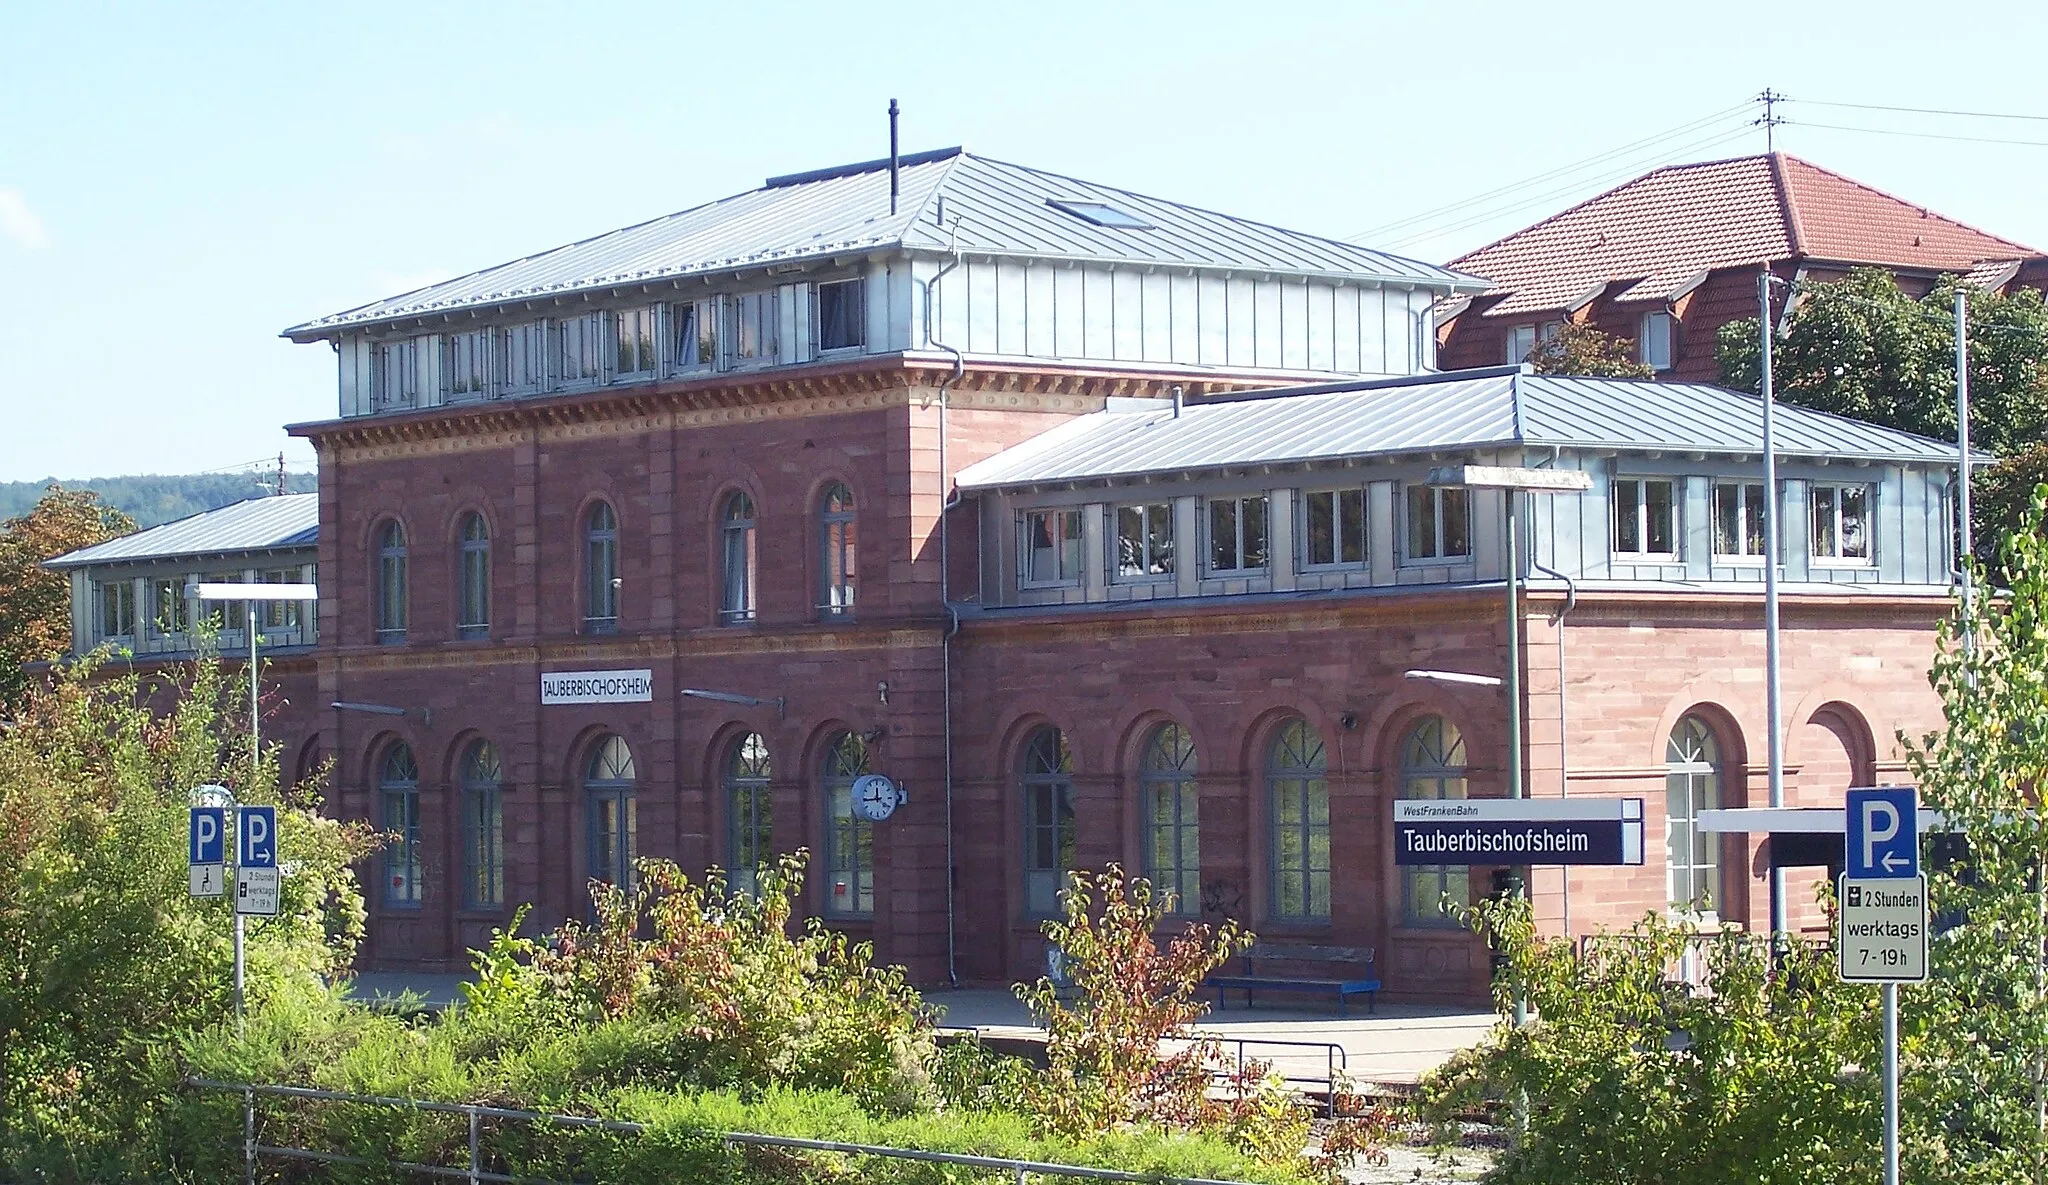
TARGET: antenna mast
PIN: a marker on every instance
(894, 157)
(1770, 119)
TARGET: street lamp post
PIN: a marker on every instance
(250, 595)
(1510, 480)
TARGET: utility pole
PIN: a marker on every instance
(280, 475)
(1773, 707)
(1770, 119)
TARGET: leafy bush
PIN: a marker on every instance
(720, 995)
(105, 961)
(1628, 1075)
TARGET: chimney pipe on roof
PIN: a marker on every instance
(1176, 401)
(894, 156)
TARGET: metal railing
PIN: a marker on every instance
(1335, 1060)
(254, 1150)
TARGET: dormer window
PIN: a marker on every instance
(841, 316)
(1101, 214)
(694, 324)
(635, 340)
(577, 352)
(521, 358)
(397, 379)
(1657, 343)
(468, 364)
(755, 325)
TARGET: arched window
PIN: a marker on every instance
(473, 571)
(1433, 766)
(1048, 819)
(736, 529)
(1170, 799)
(483, 828)
(1692, 783)
(609, 783)
(391, 580)
(1298, 789)
(749, 811)
(398, 785)
(849, 839)
(836, 537)
(601, 570)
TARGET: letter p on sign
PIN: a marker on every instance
(1882, 833)
(258, 838)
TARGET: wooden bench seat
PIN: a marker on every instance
(1273, 968)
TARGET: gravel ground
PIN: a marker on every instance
(1416, 1162)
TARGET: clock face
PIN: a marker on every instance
(874, 797)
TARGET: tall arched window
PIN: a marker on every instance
(1433, 766)
(836, 537)
(473, 572)
(1692, 783)
(391, 581)
(1048, 776)
(483, 828)
(849, 839)
(601, 570)
(1171, 800)
(749, 811)
(398, 785)
(736, 530)
(609, 785)
(1298, 788)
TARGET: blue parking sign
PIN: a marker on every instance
(256, 842)
(207, 835)
(1882, 833)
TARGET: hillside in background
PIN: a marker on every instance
(152, 498)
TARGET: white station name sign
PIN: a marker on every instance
(1518, 831)
(597, 687)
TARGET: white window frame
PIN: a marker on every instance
(520, 349)
(1742, 488)
(581, 339)
(395, 377)
(1836, 558)
(708, 320)
(478, 347)
(1523, 336)
(1336, 494)
(858, 286)
(1641, 514)
(1437, 554)
(1065, 546)
(1208, 532)
(648, 358)
(765, 307)
(1149, 559)
(1657, 340)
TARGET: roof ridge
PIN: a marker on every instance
(1605, 193)
(1795, 229)
(917, 215)
(1926, 211)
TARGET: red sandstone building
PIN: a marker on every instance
(1669, 258)
(1007, 486)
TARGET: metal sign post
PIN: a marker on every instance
(1882, 920)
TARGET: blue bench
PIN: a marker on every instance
(1261, 975)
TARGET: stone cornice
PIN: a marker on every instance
(893, 380)
(651, 647)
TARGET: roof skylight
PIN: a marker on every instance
(1101, 214)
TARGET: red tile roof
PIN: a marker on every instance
(1669, 225)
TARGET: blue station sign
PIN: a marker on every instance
(1518, 831)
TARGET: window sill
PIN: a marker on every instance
(1146, 581)
(1319, 569)
(1047, 586)
(1841, 564)
(1644, 557)
(1443, 561)
(1738, 561)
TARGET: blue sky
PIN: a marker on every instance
(179, 183)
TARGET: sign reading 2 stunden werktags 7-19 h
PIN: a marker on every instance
(1881, 924)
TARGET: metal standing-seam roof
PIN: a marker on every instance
(1497, 407)
(996, 208)
(259, 524)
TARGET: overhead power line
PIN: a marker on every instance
(1633, 147)
(1839, 127)
(1919, 110)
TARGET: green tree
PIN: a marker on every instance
(1580, 349)
(35, 603)
(1861, 347)
(106, 962)
(1975, 1039)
